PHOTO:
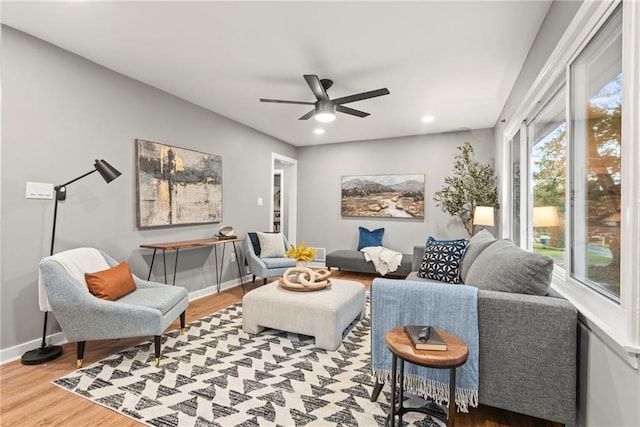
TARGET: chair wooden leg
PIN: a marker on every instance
(183, 318)
(377, 388)
(156, 344)
(80, 353)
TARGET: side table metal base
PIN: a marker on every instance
(397, 405)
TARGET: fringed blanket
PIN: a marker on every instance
(384, 260)
(453, 308)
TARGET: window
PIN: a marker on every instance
(596, 181)
(578, 163)
(548, 166)
(514, 147)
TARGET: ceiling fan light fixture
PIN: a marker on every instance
(325, 112)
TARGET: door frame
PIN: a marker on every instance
(288, 205)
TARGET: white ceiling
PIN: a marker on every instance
(455, 60)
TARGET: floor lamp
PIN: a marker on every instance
(46, 353)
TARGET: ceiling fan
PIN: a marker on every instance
(325, 108)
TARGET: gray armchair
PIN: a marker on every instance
(265, 267)
(148, 310)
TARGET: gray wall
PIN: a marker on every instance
(322, 167)
(609, 388)
(59, 113)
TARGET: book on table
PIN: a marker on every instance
(425, 338)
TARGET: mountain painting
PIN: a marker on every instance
(383, 196)
(177, 186)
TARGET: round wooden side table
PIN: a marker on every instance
(400, 346)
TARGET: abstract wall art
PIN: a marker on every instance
(386, 196)
(176, 186)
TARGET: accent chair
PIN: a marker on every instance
(147, 309)
(263, 264)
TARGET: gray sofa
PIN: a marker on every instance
(528, 342)
(352, 260)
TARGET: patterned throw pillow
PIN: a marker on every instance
(442, 260)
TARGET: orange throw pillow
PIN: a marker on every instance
(111, 284)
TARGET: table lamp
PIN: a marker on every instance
(545, 216)
(483, 215)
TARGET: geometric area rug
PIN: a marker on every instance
(218, 375)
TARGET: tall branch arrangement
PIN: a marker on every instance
(472, 184)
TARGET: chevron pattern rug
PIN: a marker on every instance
(217, 375)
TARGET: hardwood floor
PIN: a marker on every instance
(27, 397)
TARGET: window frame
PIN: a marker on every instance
(617, 324)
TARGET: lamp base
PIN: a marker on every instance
(42, 355)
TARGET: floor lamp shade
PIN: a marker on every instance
(46, 353)
(108, 172)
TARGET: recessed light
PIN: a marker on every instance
(318, 131)
(427, 119)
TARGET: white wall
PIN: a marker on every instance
(322, 167)
(59, 113)
(609, 393)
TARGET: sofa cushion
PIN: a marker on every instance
(271, 245)
(442, 260)
(163, 301)
(111, 284)
(369, 238)
(279, 262)
(478, 243)
(504, 267)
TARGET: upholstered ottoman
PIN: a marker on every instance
(323, 314)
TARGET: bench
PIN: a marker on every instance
(352, 260)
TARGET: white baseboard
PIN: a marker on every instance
(14, 353)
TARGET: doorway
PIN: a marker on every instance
(279, 217)
(284, 196)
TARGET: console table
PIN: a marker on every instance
(190, 244)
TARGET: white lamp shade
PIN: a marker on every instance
(483, 215)
(545, 216)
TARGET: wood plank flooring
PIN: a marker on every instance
(27, 397)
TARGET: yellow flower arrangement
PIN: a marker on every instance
(302, 253)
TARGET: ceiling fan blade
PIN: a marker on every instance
(282, 101)
(351, 111)
(308, 115)
(316, 87)
(361, 96)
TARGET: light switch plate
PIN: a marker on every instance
(260, 202)
(39, 190)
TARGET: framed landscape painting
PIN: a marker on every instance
(176, 186)
(390, 196)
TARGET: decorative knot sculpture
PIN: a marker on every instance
(305, 279)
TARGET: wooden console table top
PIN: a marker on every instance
(185, 244)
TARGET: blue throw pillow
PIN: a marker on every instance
(370, 238)
(442, 260)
